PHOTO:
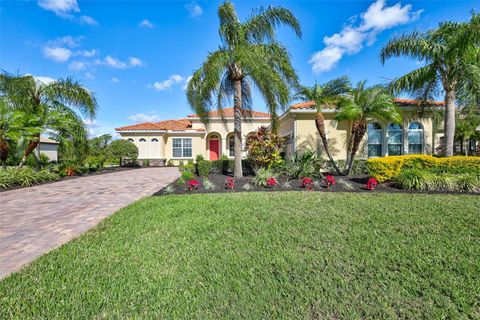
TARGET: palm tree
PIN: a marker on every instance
(365, 104)
(451, 58)
(326, 96)
(249, 54)
(54, 105)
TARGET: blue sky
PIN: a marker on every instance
(137, 55)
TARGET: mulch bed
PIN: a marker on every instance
(353, 183)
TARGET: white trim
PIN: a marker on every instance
(160, 131)
(191, 147)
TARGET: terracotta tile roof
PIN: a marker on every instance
(172, 125)
(228, 113)
(400, 102)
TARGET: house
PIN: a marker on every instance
(183, 139)
(47, 147)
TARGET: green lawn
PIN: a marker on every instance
(264, 255)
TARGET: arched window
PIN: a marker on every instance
(142, 140)
(375, 139)
(231, 146)
(395, 139)
(415, 138)
(130, 139)
(154, 140)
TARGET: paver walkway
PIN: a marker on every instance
(36, 219)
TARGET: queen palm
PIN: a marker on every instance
(365, 104)
(326, 96)
(450, 54)
(54, 106)
(249, 54)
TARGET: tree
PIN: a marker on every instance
(326, 96)
(451, 57)
(365, 104)
(55, 106)
(467, 123)
(249, 54)
(122, 150)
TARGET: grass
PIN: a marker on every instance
(263, 255)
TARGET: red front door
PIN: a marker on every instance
(213, 149)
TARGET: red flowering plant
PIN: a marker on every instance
(230, 183)
(70, 171)
(372, 183)
(307, 183)
(193, 184)
(272, 182)
(330, 180)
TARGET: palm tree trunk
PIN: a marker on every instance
(3, 152)
(359, 128)
(449, 126)
(320, 123)
(30, 147)
(237, 128)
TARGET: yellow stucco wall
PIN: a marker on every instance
(163, 149)
(307, 138)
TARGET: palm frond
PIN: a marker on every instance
(414, 80)
(261, 25)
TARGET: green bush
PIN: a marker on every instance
(199, 158)
(12, 177)
(263, 174)
(424, 179)
(189, 167)
(359, 166)
(122, 150)
(389, 168)
(146, 163)
(306, 164)
(95, 162)
(187, 175)
(204, 167)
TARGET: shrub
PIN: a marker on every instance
(230, 183)
(415, 179)
(12, 177)
(168, 189)
(189, 167)
(306, 164)
(247, 187)
(94, 163)
(330, 181)
(272, 182)
(307, 183)
(146, 163)
(372, 183)
(358, 166)
(181, 181)
(262, 177)
(204, 167)
(170, 163)
(468, 182)
(263, 148)
(209, 185)
(193, 184)
(187, 175)
(199, 158)
(388, 168)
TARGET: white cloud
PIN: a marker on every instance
(146, 23)
(68, 41)
(142, 117)
(194, 9)
(66, 9)
(115, 80)
(57, 54)
(119, 64)
(87, 20)
(186, 82)
(61, 8)
(166, 84)
(89, 76)
(86, 53)
(353, 38)
(77, 65)
(43, 80)
(135, 62)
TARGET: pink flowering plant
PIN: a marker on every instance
(330, 181)
(372, 183)
(307, 183)
(272, 182)
(230, 183)
(193, 184)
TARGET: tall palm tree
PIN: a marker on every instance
(451, 58)
(326, 96)
(365, 104)
(54, 105)
(249, 54)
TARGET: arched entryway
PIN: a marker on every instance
(213, 146)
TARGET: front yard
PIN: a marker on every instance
(264, 255)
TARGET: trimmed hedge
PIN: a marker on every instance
(204, 168)
(388, 168)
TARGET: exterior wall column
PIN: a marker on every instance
(223, 146)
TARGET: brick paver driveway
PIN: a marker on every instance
(37, 219)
